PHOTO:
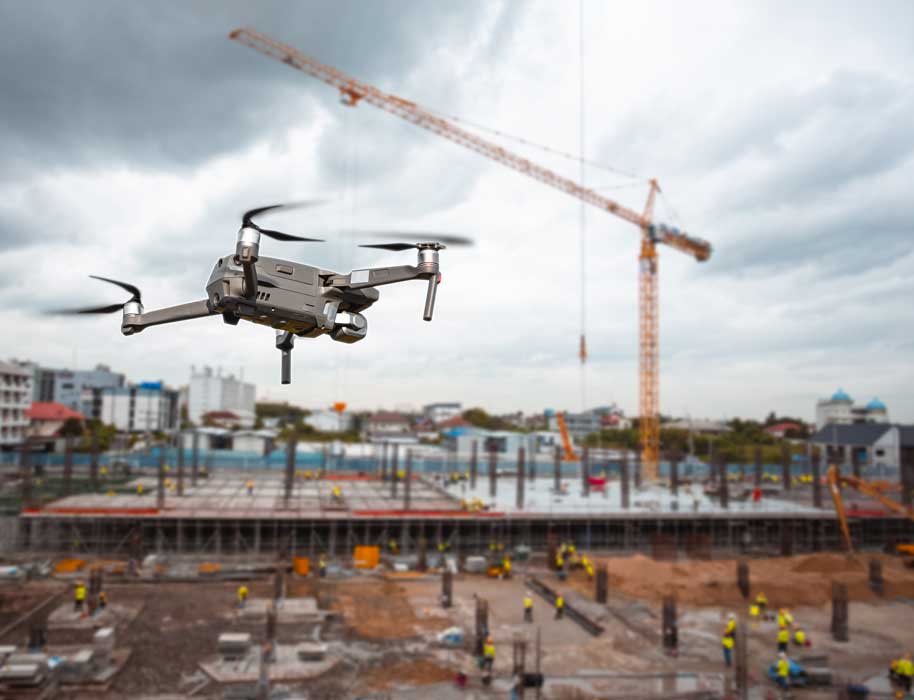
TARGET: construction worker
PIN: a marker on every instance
(903, 671)
(782, 618)
(139, 489)
(79, 596)
(783, 639)
(730, 629)
(762, 601)
(588, 567)
(392, 546)
(754, 612)
(488, 654)
(242, 596)
(322, 566)
(506, 566)
(250, 487)
(783, 671)
(799, 637)
(337, 493)
(528, 607)
(102, 600)
(727, 642)
(559, 607)
(560, 566)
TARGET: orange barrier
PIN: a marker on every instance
(366, 557)
(301, 565)
(69, 566)
(208, 568)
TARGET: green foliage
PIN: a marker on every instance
(481, 419)
(72, 427)
(104, 433)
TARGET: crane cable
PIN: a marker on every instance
(582, 351)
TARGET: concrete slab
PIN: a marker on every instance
(115, 614)
(287, 667)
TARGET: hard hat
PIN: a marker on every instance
(488, 640)
(731, 616)
(783, 655)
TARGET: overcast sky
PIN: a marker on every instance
(133, 135)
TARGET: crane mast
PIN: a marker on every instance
(353, 91)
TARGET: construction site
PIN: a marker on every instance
(158, 572)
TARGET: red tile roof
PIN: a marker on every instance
(221, 415)
(783, 427)
(455, 422)
(46, 410)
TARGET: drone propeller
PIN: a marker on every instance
(110, 308)
(419, 239)
(247, 221)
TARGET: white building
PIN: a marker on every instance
(208, 392)
(15, 399)
(330, 421)
(440, 412)
(840, 410)
(147, 407)
(256, 441)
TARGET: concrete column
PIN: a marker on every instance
(93, 461)
(180, 465)
(674, 474)
(393, 469)
(25, 475)
(195, 459)
(557, 469)
(855, 462)
(624, 481)
(474, 456)
(68, 467)
(291, 449)
(724, 484)
(786, 476)
(383, 461)
(493, 473)
(160, 485)
(839, 612)
(907, 476)
(637, 469)
(521, 474)
(758, 466)
(585, 472)
(816, 465)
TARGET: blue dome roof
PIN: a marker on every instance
(875, 405)
(840, 395)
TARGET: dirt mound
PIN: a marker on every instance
(789, 581)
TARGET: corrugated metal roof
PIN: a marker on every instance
(853, 434)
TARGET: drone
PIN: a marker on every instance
(293, 298)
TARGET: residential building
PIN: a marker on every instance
(210, 391)
(207, 439)
(224, 419)
(46, 422)
(15, 399)
(145, 407)
(329, 421)
(259, 442)
(840, 409)
(780, 430)
(440, 412)
(79, 389)
(704, 426)
(388, 424)
(875, 444)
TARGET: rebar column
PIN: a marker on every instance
(877, 583)
(394, 476)
(786, 477)
(601, 591)
(195, 459)
(623, 480)
(482, 624)
(758, 466)
(474, 457)
(447, 587)
(585, 472)
(674, 474)
(557, 470)
(291, 449)
(160, 486)
(180, 442)
(907, 476)
(323, 470)
(741, 663)
(742, 578)
(722, 479)
(816, 465)
(93, 461)
(493, 473)
(408, 486)
(68, 466)
(271, 631)
(839, 627)
(669, 626)
(383, 461)
(637, 469)
(422, 554)
(521, 475)
(855, 463)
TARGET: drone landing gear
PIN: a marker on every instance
(285, 341)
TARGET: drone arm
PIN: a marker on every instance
(375, 277)
(134, 323)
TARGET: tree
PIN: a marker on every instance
(72, 427)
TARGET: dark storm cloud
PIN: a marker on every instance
(160, 85)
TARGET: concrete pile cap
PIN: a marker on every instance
(22, 673)
(311, 651)
(104, 637)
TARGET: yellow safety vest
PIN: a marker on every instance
(731, 627)
(559, 562)
(783, 668)
(906, 668)
(559, 602)
(727, 641)
(799, 637)
(489, 651)
(242, 593)
(506, 565)
(783, 636)
(80, 593)
(761, 599)
(528, 603)
(754, 611)
(782, 621)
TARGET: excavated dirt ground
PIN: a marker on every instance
(790, 581)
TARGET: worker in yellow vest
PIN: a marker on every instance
(506, 566)
(783, 671)
(250, 487)
(782, 618)
(322, 566)
(730, 629)
(488, 654)
(902, 672)
(242, 596)
(559, 607)
(528, 607)
(799, 637)
(783, 639)
(762, 601)
(755, 612)
(728, 641)
(79, 596)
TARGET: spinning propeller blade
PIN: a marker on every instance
(136, 296)
(247, 220)
(417, 237)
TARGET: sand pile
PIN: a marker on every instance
(800, 580)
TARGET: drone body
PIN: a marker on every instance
(293, 298)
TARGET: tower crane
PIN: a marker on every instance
(353, 91)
